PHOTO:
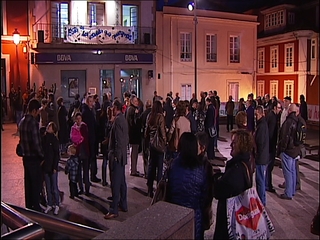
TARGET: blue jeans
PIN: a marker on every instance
(155, 167)
(289, 172)
(260, 182)
(19, 115)
(51, 181)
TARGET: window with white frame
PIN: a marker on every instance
(233, 90)
(185, 47)
(130, 14)
(274, 19)
(186, 92)
(291, 18)
(59, 18)
(96, 14)
(288, 57)
(313, 49)
(261, 60)
(211, 47)
(274, 59)
(288, 88)
(260, 88)
(274, 88)
(234, 46)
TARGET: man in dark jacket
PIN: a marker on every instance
(273, 126)
(229, 111)
(88, 117)
(209, 123)
(250, 116)
(261, 138)
(288, 152)
(303, 108)
(145, 145)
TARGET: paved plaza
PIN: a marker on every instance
(291, 218)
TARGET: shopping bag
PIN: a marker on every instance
(247, 218)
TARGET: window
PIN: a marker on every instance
(260, 88)
(289, 57)
(185, 92)
(274, 88)
(288, 88)
(313, 49)
(261, 60)
(185, 47)
(95, 14)
(291, 18)
(59, 18)
(234, 49)
(274, 19)
(130, 18)
(274, 59)
(211, 46)
(233, 90)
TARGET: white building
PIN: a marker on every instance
(226, 52)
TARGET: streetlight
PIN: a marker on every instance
(16, 40)
(193, 7)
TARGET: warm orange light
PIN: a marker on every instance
(16, 37)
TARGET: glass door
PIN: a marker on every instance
(131, 81)
(107, 82)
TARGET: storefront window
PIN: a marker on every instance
(131, 81)
(107, 82)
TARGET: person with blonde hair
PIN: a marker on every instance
(72, 170)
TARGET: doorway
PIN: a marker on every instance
(130, 80)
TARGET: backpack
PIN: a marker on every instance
(300, 134)
(75, 135)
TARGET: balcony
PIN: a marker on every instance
(66, 36)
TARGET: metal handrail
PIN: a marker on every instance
(56, 225)
(23, 227)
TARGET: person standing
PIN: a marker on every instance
(63, 129)
(273, 126)
(250, 116)
(190, 116)
(261, 137)
(241, 106)
(284, 114)
(119, 140)
(229, 112)
(134, 126)
(209, 123)
(89, 118)
(52, 110)
(268, 103)
(18, 107)
(32, 155)
(145, 144)
(303, 109)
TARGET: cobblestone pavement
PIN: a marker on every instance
(291, 218)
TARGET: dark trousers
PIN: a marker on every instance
(218, 126)
(145, 155)
(83, 169)
(93, 161)
(155, 167)
(269, 169)
(119, 187)
(73, 189)
(32, 182)
(104, 168)
(210, 150)
(229, 122)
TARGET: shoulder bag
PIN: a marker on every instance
(19, 150)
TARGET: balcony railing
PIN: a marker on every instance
(56, 33)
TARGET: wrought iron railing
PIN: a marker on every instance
(58, 33)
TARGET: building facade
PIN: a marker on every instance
(288, 53)
(226, 50)
(91, 46)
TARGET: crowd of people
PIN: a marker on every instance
(180, 134)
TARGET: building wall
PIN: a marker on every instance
(211, 75)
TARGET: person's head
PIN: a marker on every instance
(241, 142)
(109, 113)
(194, 104)
(44, 102)
(96, 98)
(276, 107)
(33, 107)
(287, 102)
(60, 101)
(188, 149)
(215, 93)
(181, 109)
(302, 98)
(188, 107)
(72, 150)
(156, 108)
(177, 94)
(241, 100)
(134, 100)
(230, 98)
(52, 128)
(77, 96)
(267, 97)
(274, 99)
(210, 93)
(208, 101)
(155, 93)
(293, 108)
(202, 139)
(51, 97)
(259, 112)
(90, 101)
(78, 118)
(250, 96)
(148, 104)
(241, 119)
(117, 107)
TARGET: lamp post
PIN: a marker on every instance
(193, 7)
(16, 41)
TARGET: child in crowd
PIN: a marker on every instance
(50, 167)
(72, 170)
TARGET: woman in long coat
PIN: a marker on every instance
(63, 125)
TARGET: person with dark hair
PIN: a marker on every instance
(189, 115)
(52, 110)
(33, 155)
(241, 106)
(155, 123)
(229, 112)
(261, 137)
(188, 182)
(119, 140)
(156, 97)
(250, 116)
(303, 109)
(63, 126)
(234, 180)
(145, 144)
(267, 104)
(210, 122)
(169, 112)
(50, 145)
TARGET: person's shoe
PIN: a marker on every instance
(284, 196)
(122, 210)
(137, 174)
(88, 194)
(48, 209)
(110, 215)
(95, 179)
(56, 210)
(105, 184)
(110, 198)
(298, 188)
(283, 185)
(80, 192)
(272, 190)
